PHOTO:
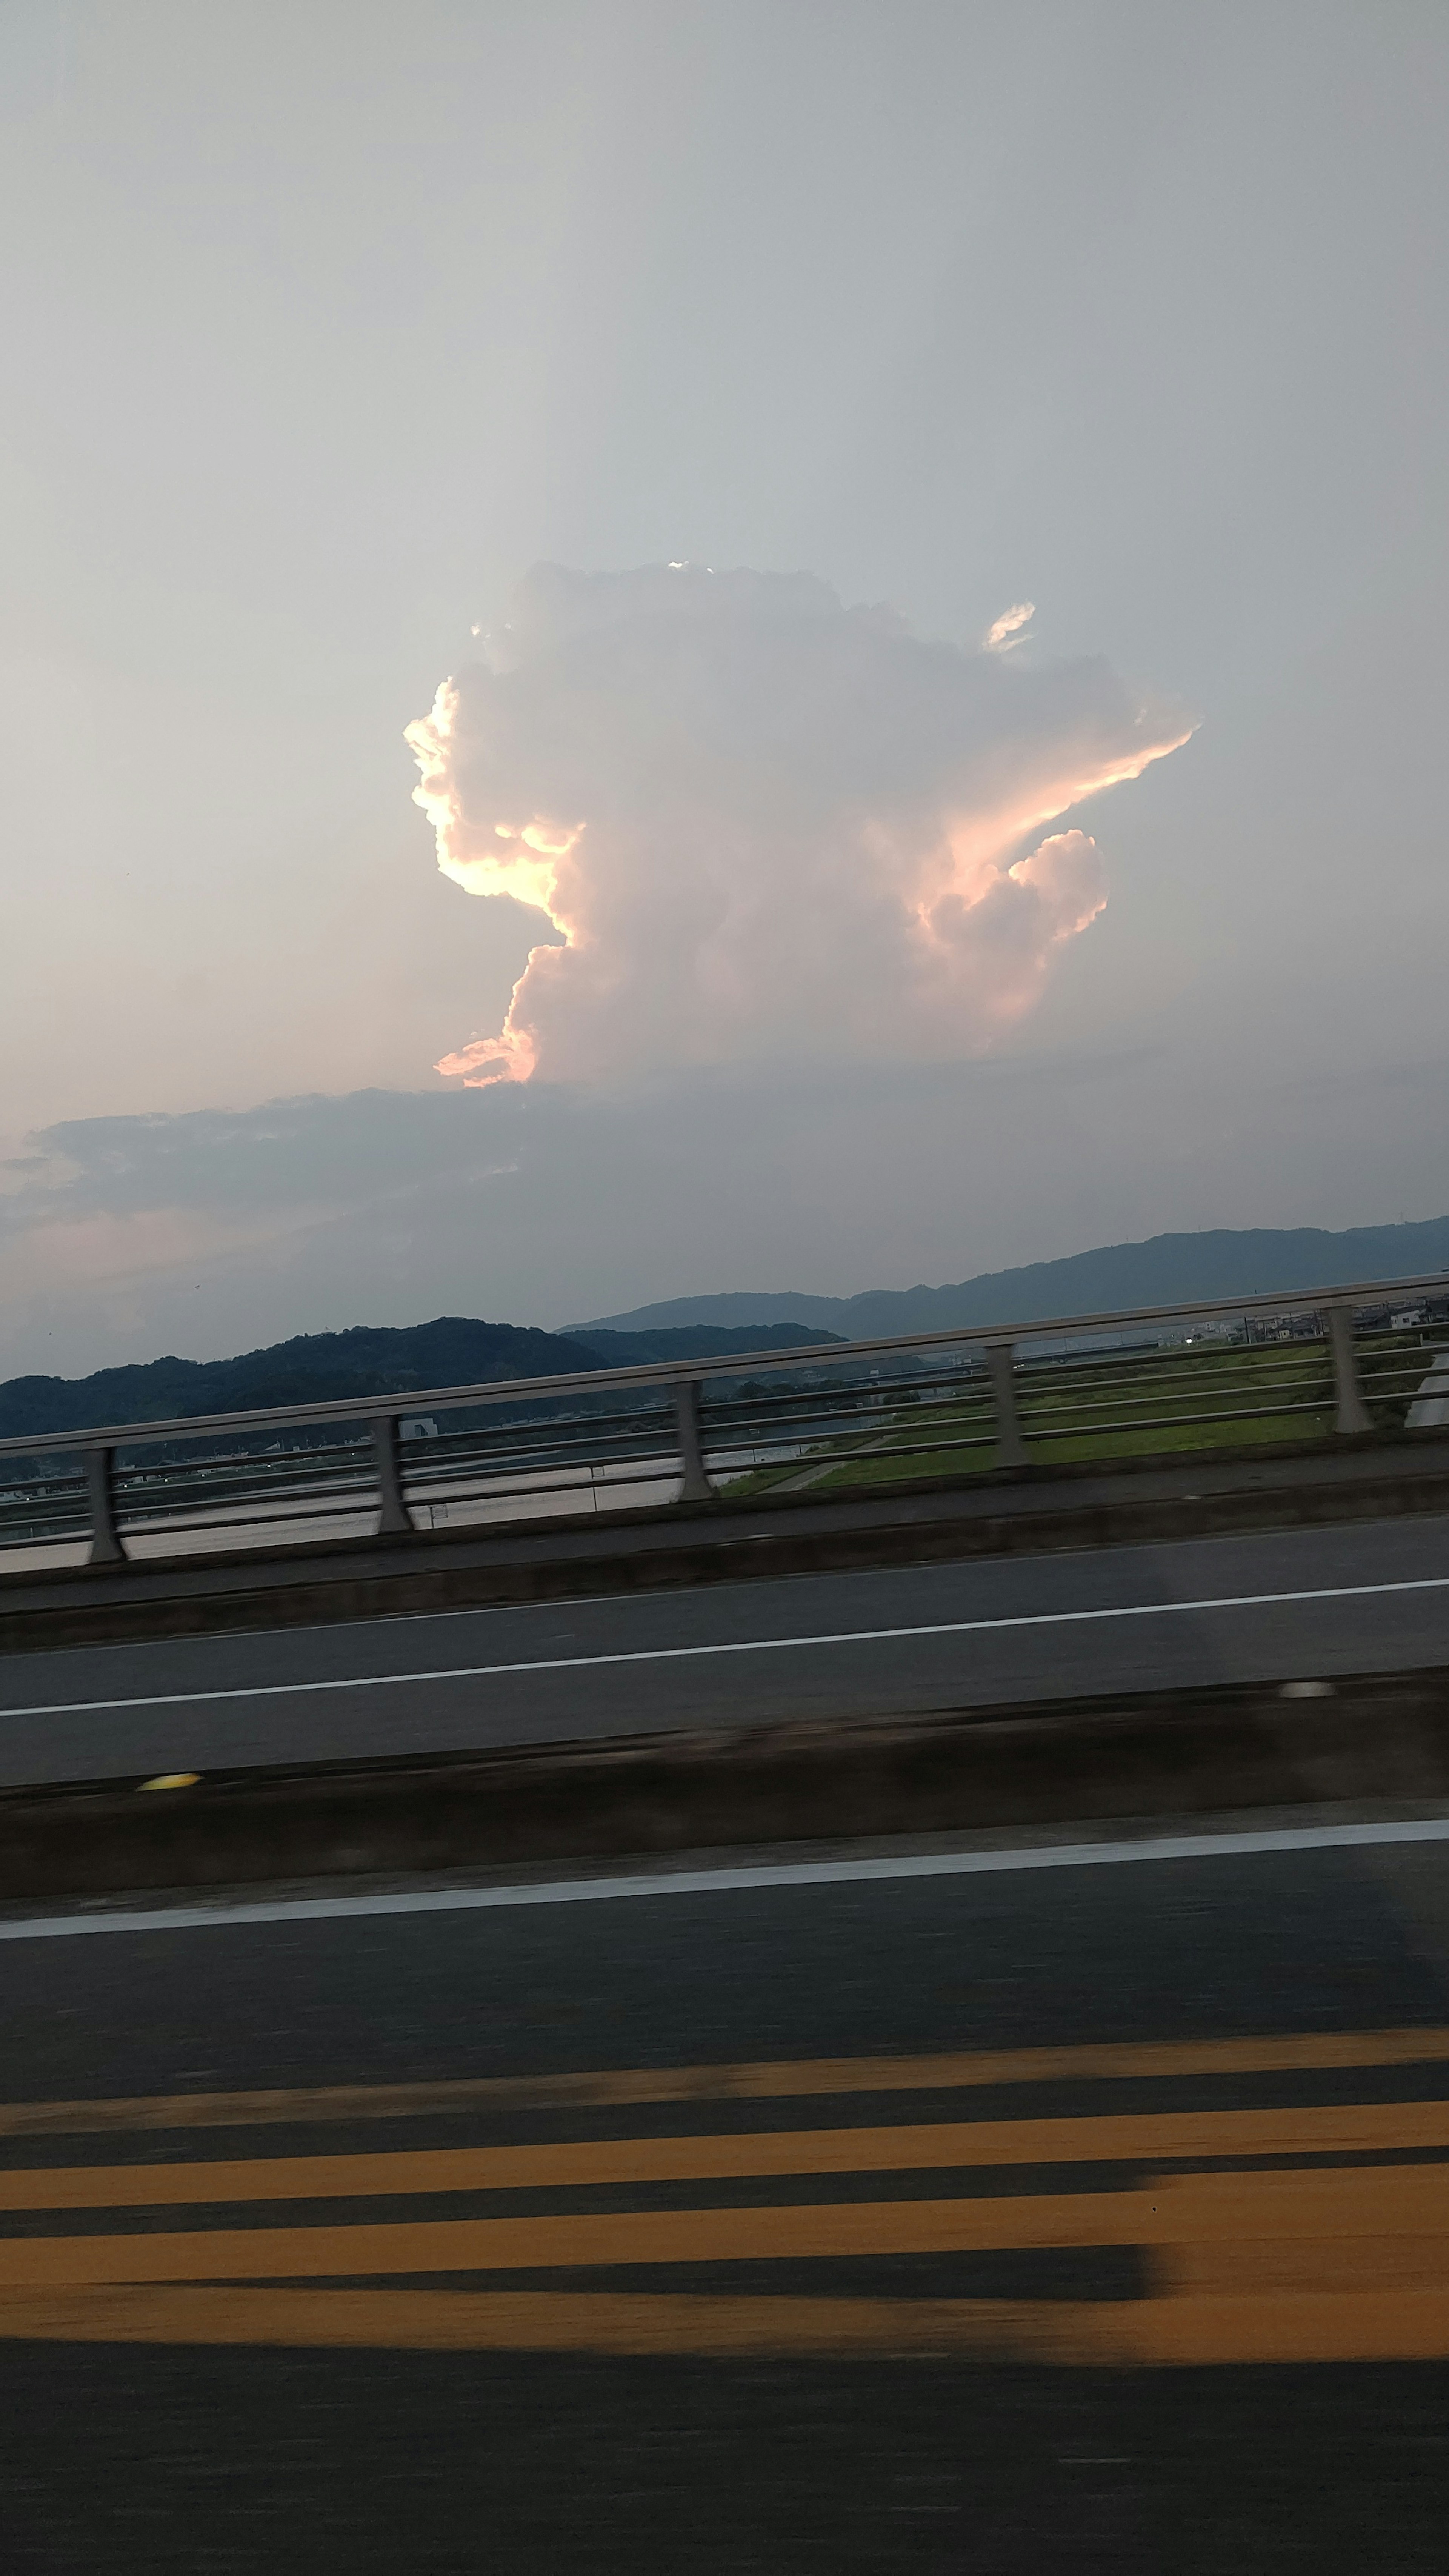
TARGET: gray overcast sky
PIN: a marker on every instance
(321, 326)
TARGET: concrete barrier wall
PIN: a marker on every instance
(1078, 1766)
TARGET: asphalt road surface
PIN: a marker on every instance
(1088, 2217)
(1305, 1603)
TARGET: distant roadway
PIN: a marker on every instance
(1300, 1604)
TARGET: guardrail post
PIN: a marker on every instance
(106, 1548)
(394, 1519)
(1353, 1414)
(1010, 1446)
(695, 1486)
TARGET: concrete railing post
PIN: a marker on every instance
(695, 1486)
(1010, 1446)
(394, 1518)
(106, 1548)
(1352, 1414)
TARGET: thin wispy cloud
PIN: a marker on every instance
(1010, 627)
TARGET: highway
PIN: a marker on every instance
(1363, 1597)
(1008, 2213)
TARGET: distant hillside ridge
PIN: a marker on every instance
(331, 1368)
(315, 1368)
(1167, 1270)
(703, 1342)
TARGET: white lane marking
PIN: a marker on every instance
(552, 1606)
(736, 1646)
(728, 1882)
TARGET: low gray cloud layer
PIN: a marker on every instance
(310, 1153)
(538, 1203)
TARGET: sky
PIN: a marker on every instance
(643, 429)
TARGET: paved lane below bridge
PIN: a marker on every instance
(1369, 1597)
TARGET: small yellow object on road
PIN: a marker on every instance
(173, 1780)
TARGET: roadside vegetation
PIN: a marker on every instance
(1208, 1396)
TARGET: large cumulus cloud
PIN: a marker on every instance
(763, 823)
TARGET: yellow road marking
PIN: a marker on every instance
(1237, 2209)
(1318, 2263)
(590, 2321)
(1361, 2200)
(1294, 2052)
(1193, 2332)
(819, 2232)
(1150, 2137)
(1391, 2325)
(1381, 2229)
(1346, 2264)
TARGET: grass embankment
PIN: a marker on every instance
(1148, 1404)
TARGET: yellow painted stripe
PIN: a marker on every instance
(1371, 2200)
(1253, 2265)
(819, 2232)
(768, 2081)
(1193, 2332)
(1202, 2210)
(542, 2321)
(1274, 2327)
(1135, 2138)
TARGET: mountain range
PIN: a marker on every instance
(459, 1350)
(1167, 1270)
(330, 1368)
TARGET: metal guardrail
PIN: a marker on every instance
(829, 1416)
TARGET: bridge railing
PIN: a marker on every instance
(1148, 1381)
